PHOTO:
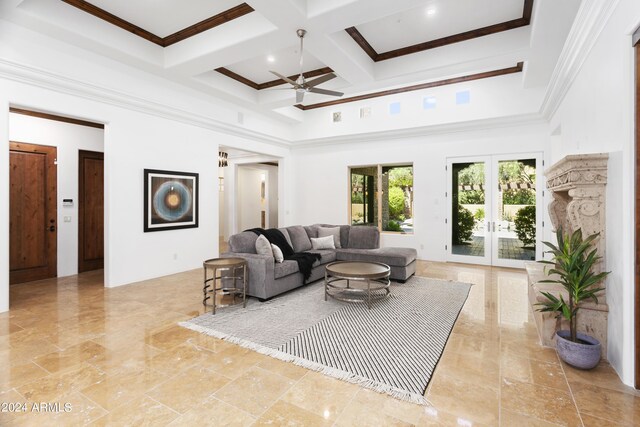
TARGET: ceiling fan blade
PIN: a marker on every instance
(325, 92)
(299, 96)
(319, 80)
(286, 79)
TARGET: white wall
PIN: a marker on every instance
(272, 195)
(4, 205)
(150, 123)
(489, 98)
(222, 206)
(133, 141)
(68, 139)
(596, 115)
(249, 207)
(322, 184)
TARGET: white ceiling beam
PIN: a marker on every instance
(240, 39)
(344, 57)
(281, 13)
(545, 49)
(338, 53)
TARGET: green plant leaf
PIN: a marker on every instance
(574, 259)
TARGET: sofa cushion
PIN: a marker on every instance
(326, 242)
(244, 242)
(286, 235)
(263, 247)
(397, 257)
(344, 233)
(326, 256)
(364, 237)
(312, 231)
(285, 268)
(330, 231)
(299, 238)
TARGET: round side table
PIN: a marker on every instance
(225, 269)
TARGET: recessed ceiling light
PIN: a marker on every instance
(431, 12)
(271, 58)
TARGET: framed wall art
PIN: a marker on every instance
(170, 200)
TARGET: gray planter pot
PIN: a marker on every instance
(583, 356)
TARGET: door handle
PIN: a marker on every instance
(494, 226)
(488, 227)
(52, 228)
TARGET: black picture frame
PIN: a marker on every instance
(171, 200)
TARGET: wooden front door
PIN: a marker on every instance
(33, 212)
(90, 211)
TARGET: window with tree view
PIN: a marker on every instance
(392, 207)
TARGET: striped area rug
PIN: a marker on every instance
(392, 348)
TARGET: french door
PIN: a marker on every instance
(495, 209)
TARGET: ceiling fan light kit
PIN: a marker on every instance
(301, 85)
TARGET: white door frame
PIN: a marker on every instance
(491, 244)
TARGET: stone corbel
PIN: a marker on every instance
(558, 210)
(584, 210)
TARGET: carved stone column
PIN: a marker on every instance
(578, 186)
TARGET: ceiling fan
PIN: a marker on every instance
(301, 85)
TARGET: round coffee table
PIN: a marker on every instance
(339, 275)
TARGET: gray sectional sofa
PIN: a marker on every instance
(266, 278)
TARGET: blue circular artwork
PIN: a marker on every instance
(172, 200)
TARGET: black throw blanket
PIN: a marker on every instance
(305, 260)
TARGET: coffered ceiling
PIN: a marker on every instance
(163, 17)
(225, 48)
(438, 23)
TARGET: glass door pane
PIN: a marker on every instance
(397, 198)
(515, 212)
(364, 192)
(469, 209)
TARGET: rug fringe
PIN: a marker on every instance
(376, 386)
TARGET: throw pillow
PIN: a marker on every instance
(299, 238)
(277, 253)
(331, 231)
(323, 242)
(263, 247)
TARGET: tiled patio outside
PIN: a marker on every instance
(508, 249)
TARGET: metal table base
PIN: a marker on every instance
(225, 270)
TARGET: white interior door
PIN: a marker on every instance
(495, 209)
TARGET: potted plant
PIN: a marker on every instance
(572, 267)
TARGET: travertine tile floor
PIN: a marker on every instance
(118, 358)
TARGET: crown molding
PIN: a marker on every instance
(47, 80)
(591, 19)
(421, 131)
